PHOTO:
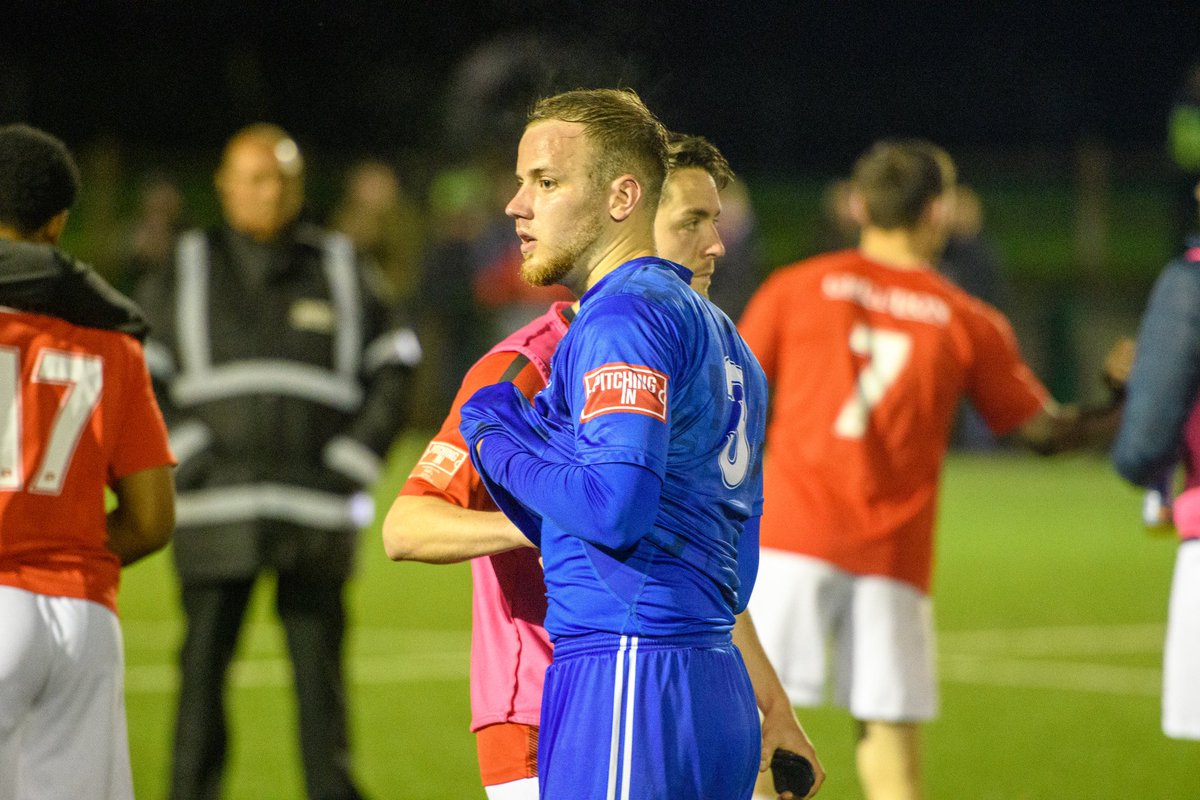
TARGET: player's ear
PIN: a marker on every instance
(623, 197)
(939, 211)
(858, 208)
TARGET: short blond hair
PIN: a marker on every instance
(628, 138)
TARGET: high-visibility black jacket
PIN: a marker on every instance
(282, 391)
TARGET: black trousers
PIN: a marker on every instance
(313, 616)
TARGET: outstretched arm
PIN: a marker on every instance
(436, 531)
(1056, 429)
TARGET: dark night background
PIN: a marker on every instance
(781, 86)
(1056, 113)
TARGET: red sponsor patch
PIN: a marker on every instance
(439, 464)
(624, 387)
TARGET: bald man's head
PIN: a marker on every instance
(261, 181)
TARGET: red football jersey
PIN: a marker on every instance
(76, 413)
(866, 365)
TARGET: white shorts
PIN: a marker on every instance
(62, 704)
(1181, 655)
(880, 632)
(523, 789)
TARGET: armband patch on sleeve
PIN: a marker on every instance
(439, 464)
(624, 387)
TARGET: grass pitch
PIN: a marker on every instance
(1050, 602)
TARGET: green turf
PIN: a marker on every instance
(1050, 602)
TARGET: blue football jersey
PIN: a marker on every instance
(654, 375)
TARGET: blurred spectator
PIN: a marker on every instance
(508, 300)
(1183, 146)
(970, 259)
(148, 241)
(742, 265)
(385, 226)
(284, 379)
(454, 329)
(972, 262)
(839, 228)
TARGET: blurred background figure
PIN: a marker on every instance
(1183, 147)
(284, 379)
(1161, 427)
(839, 228)
(454, 331)
(970, 259)
(378, 216)
(149, 239)
(972, 262)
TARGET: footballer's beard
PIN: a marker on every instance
(548, 268)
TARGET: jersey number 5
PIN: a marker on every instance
(887, 353)
(83, 377)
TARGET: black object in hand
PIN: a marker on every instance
(792, 772)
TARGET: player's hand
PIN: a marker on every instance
(482, 412)
(781, 729)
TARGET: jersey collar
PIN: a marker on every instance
(683, 273)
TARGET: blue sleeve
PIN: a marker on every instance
(619, 377)
(611, 505)
(1166, 374)
(747, 563)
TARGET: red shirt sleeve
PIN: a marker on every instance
(1000, 384)
(444, 470)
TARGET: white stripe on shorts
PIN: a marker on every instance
(614, 741)
(629, 717)
(621, 743)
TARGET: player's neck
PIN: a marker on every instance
(609, 255)
(901, 248)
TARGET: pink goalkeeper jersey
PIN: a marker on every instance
(509, 646)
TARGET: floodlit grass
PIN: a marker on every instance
(1050, 603)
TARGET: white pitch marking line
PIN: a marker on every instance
(1058, 640)
(269, 673)
(1033, 658)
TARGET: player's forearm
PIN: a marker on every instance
(145, 514)
(434, 531)
(780, 727)
(131, 543)
(768, 691)
(1059, 429)
(611, 505)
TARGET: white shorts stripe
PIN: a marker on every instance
(629, 719)
(615, 741)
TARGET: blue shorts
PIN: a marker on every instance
(634, 718)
